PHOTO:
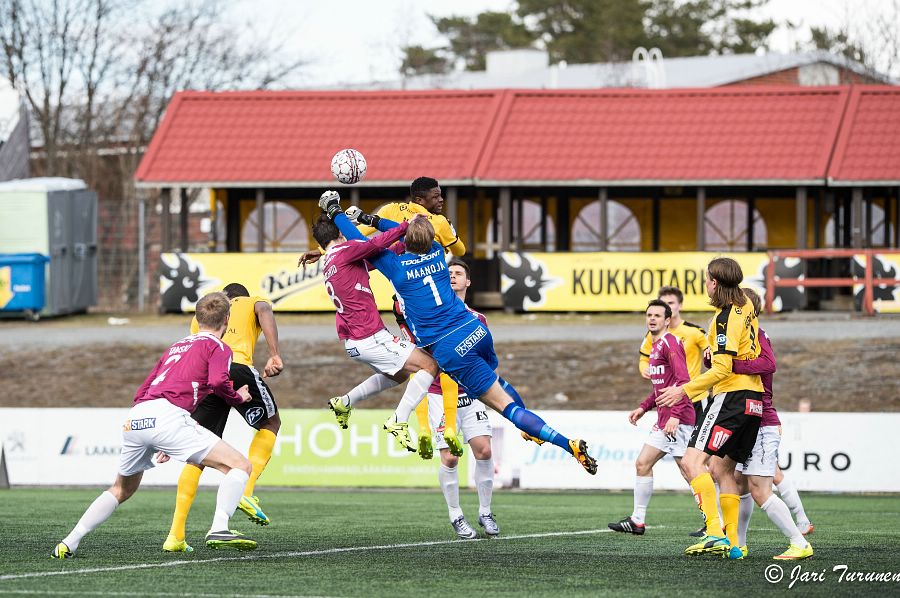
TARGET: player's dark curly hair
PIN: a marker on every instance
(660, 303)
(325, 230)
(421, 186)
(235, 289)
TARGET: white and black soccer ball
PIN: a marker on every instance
(348, 166)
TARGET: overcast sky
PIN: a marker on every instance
(358, 40)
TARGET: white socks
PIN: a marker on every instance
(484, 483)
(416, 389)
(230, 492)
(450, 487)
(643, 490)
(368, 388)
(791, 498)
(745, 511)
(99, 511)
(780, 515)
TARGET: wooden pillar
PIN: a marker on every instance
(518, 203)
(856, 218)
(603, 198)
(354, 196)
(800, 210)
(472, 237)
(543, 228)
(701, 218)
(751, 209)
(655, 211)
(564, 224)
(183, 218)
(451, 204)
(260, 220)
(505, 218)
(897, 220)
(165, 198)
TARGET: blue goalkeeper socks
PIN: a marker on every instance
(533, 425)
(512, 392)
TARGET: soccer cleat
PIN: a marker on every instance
(454, 443)
(735, 553)
(463, 529)
(341, 411)
(708, 545)
(250, 506)
(61, 551)
(400, 430)
(580, 452)
(173, 544)
(426, 449)
(699, 533)
(628, 526)
(529, 438)
(489, 523)
(806, 529)
(229, 539)
(795, 553)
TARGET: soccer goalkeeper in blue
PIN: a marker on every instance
(461, 345)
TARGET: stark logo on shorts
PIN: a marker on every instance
(253, 415)
(753, 407)
(718, 437)
(352, 352)
(470, 341)
(139, 424)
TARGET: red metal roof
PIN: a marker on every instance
(283, 138)
(733, 135)
(868, 146)
(743, 135)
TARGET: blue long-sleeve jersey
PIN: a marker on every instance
(422, 282)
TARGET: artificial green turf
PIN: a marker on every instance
(862, 532)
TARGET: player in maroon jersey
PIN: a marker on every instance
(159, 420)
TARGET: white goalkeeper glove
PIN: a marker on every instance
(330, 202)
(357, 216)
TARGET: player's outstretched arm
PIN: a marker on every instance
(764, 364)
(266, 318)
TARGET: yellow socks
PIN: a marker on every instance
(184, 498)
(260, 452)
(422, 416)
(731, 504)
(705, 495)
(450, 392)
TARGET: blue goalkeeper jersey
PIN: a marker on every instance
(422, 282)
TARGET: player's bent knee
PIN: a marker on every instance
(448, 460)
(273, 424)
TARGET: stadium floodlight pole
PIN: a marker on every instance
(141, 256)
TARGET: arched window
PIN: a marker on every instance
(725, 227)
(284, 229)
(622, 226)
(882, 230)
(531, 229)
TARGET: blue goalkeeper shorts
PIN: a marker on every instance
(467, 355)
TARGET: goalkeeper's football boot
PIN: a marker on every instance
(533, 439)
(489, 523)
(580, 451)
(400, 431)
(61, 551)
(795, 553)
(341, 411)
(250, 506)
(628, 526)
(699, 533)
(229, 539)
(708, 545)
(463, 529)
(735, 553)
(426, 449)
(454, 442)
(173, 544)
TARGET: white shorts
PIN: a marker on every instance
(471, 419)
(671, 446)
(158, 425)
(764, 458)
(383, 352)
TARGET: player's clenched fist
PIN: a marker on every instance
(243, 393)
(330, 202)
(635, 415)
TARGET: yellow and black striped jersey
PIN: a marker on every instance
(243, 329)
(444, 232)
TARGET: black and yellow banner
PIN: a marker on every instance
(616, 281)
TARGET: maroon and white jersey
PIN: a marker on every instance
(189, 370)
(435, 387)
(668, 367)
(765, 366)
(346, 276)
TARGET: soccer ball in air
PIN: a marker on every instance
(348, 166)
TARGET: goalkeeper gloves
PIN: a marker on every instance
(357, 216)
(330, 202)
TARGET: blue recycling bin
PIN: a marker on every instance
(22, 282)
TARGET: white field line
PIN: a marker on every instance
(295, 554)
